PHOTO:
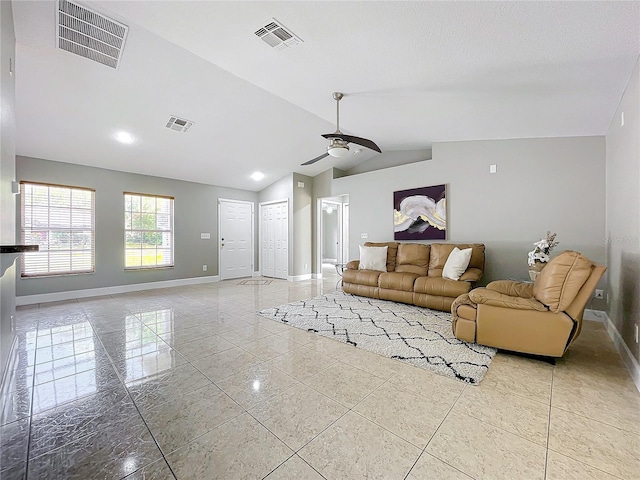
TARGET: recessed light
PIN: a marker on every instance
(257, 176)
(124, 137)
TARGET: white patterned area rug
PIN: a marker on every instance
(416, 335)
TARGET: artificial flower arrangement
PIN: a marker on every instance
(543, 249)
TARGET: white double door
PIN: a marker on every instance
(274, 239)
(235, 242)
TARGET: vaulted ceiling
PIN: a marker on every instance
(413, 73)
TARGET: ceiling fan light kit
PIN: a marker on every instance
(339, 142)
(338, 152)
(338, 148)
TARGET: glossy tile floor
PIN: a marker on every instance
(189, 383)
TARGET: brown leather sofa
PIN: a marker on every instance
(542, 318)
(414, 275)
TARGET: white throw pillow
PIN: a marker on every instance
(457, 263)
(373, 258)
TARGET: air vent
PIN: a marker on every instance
(89, 34)
(276, 35)
(179, 124)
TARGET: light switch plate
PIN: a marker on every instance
(364, 235)
(493, 168)
(205, 236)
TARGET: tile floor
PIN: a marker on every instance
(189, 383)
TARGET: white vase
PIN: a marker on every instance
(535, 269)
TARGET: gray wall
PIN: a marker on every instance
(195, 209)
(7, 175)
(302, 224)
(544, 184)
(392, 158)
(623, 215)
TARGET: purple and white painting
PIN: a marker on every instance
(420, 214)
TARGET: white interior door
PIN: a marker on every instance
(281, 243)
(235, 238)
(274, 239)
(267, 240)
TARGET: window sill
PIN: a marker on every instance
(139, 269)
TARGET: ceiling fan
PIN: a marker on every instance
(339, 142)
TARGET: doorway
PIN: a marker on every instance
(333, 238)
(235, 238)
(331, 232)
(274, 239)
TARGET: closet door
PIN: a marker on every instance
(282, 240)
(266, 241)
(274, 239)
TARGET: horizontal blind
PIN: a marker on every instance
(61, 220)
(148, 231)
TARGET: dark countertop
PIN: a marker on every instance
(18, 248)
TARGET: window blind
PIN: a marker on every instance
(61, 220)
(148, 230)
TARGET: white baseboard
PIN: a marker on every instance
(297, 278)
(595, 315)
(316, 276)
(256, 274)
(95, 292)
(627, 357)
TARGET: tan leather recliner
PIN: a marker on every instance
(542, 318)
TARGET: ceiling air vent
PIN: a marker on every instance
(89, 34)
(179, 124)
(276, 35)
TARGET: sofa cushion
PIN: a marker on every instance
(440, 287)
(361, 277)
(397, 281)
(560, 281)
(456, 263)
(412, 258)
(440, 252)
(373, 258)
(392, 251)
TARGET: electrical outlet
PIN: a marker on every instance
(204, 268)
(599, 293)
(636, 331)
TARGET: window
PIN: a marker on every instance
(148, 231)
(60, 220)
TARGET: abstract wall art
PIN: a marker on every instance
(420, 213)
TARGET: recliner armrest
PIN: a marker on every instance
(511, 288)
(471, 275)
(353, 265)
(497, 299)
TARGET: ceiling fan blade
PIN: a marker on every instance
(357, 140)
(314, 160)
